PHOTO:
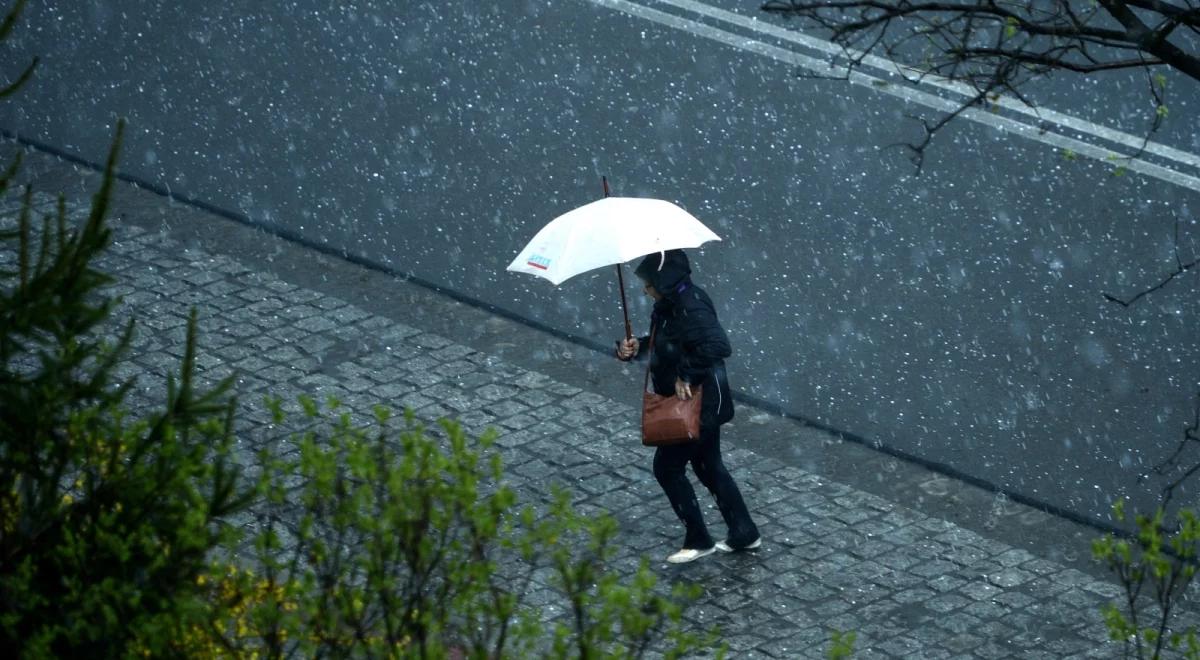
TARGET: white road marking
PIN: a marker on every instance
(936, 102)
(914, 76)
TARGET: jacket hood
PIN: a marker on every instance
(664, 270)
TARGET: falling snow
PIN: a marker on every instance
(957, 316)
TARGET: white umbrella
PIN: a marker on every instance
(609, 231)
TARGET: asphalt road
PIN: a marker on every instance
(956, 316)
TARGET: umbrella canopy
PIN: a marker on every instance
(609, 231)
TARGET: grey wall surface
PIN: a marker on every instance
(957, 315)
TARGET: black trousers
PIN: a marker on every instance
(670, 468)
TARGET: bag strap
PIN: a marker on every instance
(650, 354)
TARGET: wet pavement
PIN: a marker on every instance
(919, 565)
(957, 316)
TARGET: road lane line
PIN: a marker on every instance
(914, 76)
(927, 99)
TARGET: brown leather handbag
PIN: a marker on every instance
(668, 420)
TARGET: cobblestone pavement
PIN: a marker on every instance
(834, 557)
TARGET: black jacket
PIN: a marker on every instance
(689, 342)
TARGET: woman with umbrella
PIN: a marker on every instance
(690, 348)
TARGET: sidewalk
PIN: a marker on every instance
(918, 565)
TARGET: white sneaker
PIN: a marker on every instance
(725, 547)
(687, 554)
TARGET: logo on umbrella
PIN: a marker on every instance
(538, 261)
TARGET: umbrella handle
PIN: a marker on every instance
(620, 279)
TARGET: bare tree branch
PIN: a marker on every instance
(996, 47)
(1190, 435)
(1151, 41)
(1126, 303)
(1056, 62)
(918, 148)
(1181, 267)
(886, 11)
(1002, 45)
(1165, 8)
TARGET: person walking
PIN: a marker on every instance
(690, 348)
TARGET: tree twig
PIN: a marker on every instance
(1191, 434)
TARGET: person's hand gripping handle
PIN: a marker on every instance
(627, 349)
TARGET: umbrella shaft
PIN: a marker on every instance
(624, 304)
(620, 279)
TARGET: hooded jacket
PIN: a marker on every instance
(689, 342)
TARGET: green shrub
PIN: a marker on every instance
(106, 520)
(116, 534)
(119, 534)
(394, 541)
(1154, 569)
